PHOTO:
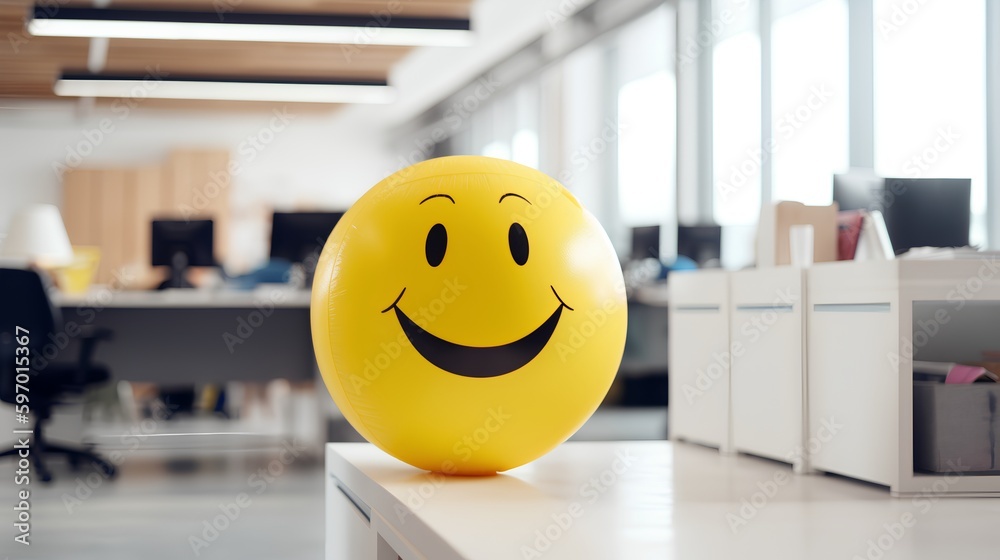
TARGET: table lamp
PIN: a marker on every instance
(38, 235)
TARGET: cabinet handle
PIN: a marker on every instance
(775, 308)
(884, 307)
(697, 308)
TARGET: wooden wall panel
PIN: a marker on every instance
(177, 180)
(148, 183)
(112, 208)
(81, 207)
(213, 192)
(112, 185)
(199, 189)
(130, 221)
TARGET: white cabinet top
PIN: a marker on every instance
(671, 501)
(583, 500)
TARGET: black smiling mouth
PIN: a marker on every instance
(478, 361)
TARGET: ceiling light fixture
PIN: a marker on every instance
(227, 89)
(374, 29)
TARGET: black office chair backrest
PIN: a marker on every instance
(24, 303)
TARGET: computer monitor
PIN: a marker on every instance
(299, 237)
(927, 212)
(858, 189)
(702, 244)
(180, 244)
(646, 242)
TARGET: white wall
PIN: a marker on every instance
(300, 160)
(318, 160)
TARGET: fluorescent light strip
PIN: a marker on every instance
(223, 90)
(281, 28)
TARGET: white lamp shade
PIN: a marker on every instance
(37, 233)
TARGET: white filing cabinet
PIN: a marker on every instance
(767, 330)
(699, 357)
(866, 323)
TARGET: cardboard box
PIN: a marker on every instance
(777, 218)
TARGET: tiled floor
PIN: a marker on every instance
(155, 509)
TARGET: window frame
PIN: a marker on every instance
(861, 106)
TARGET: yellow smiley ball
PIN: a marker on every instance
(468, 315)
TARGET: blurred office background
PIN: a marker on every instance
(674, 122)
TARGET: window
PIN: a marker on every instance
(809, 96)
(930, 94)
(524, 143)
(510, 126)
(647, 107)
(646, 166)
(736, 103)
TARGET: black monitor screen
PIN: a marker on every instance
(701, 244)
(300, 236)
(927, 212)
(646, 242)
(857, 190)
(191, 238)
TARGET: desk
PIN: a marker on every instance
(378, 507)
(675, 501)
(196, 336)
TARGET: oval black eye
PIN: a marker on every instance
(517, 238)
(437, 244)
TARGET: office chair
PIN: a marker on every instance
(26, 304)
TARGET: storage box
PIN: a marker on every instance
(956, 427)
(776, 220)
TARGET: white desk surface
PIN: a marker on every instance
(104, 296)
(675, 501)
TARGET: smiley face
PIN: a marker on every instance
(477, 361)
(468, 315)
